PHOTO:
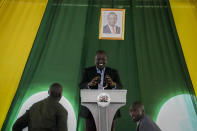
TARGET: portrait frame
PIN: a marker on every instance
(112, 24)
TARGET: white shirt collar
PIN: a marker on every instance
(100, 71)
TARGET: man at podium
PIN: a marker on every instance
(98, 77)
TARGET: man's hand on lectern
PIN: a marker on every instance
(109, 81)
(94, 81)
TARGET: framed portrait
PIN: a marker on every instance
(112, 23)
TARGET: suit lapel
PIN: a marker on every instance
(93, 73)
(106, 71)
(108, 29)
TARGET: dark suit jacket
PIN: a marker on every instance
(45, 115)
(147, 124)
(107, 30)
(88, 75)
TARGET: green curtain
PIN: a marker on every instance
(161, 66)
(149, 60)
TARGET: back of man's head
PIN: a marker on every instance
(55, 91)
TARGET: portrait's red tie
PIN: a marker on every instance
(113, 30)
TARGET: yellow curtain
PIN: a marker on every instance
(19, 23)
(185, 17)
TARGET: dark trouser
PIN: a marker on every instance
(90, 125)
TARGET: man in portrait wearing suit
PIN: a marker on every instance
(144, 122)
(97, 77)
(111, 27)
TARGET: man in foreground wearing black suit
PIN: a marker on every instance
(144, 123)
(97, 77)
